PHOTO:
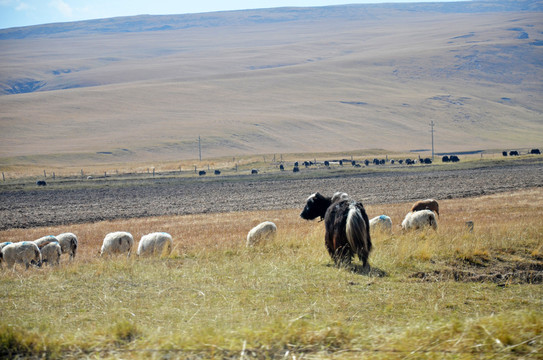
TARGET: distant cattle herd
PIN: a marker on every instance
(354, 163)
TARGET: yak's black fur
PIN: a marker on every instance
(347, 227)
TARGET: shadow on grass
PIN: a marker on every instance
(367, 270)
(362, 270)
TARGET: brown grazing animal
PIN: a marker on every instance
(428, 204)
(347, 227)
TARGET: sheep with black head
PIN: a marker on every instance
(346, 224)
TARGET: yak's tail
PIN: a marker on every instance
(357, 234)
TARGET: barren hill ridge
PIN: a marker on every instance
(275, 80)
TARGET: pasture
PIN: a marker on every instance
(453, 293)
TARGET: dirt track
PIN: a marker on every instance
(45, 207)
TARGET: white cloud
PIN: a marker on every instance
(62, 7)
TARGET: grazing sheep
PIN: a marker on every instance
(157, 243)
(347, 227)
(419, 220)
(3, 245)
(41, 242)
(428, 204)
(117, 243)
(68, 243)
(382, 223)
(50, 253)
(262, 231)
(25, 252)
(50, 249)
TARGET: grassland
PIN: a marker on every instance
(118, 105)
(447, 294)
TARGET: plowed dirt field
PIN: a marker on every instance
(56, 206)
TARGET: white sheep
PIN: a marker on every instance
(3, 245)
(24, 252)
(419, 220)
(68, 243)
(382, 223)
(50, 253)
(117, 243)
(41, 242)
(50, 249)
(158, 243)
(262, 231)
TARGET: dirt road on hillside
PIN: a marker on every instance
(48, 207)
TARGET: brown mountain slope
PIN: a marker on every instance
(370, 78)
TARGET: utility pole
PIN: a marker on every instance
(199, 148)
(432, 131)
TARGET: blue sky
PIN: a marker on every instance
(15, 13)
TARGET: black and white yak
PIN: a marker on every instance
(346, 223)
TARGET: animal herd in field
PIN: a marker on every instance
(347, 227)
(48, 249)
(347, 234)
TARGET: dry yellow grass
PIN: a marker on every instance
(215, 298)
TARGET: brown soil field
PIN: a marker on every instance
(174, 196)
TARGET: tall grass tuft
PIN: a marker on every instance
(124, 331)
(18, 342)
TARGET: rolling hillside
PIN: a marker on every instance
(274, 80)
